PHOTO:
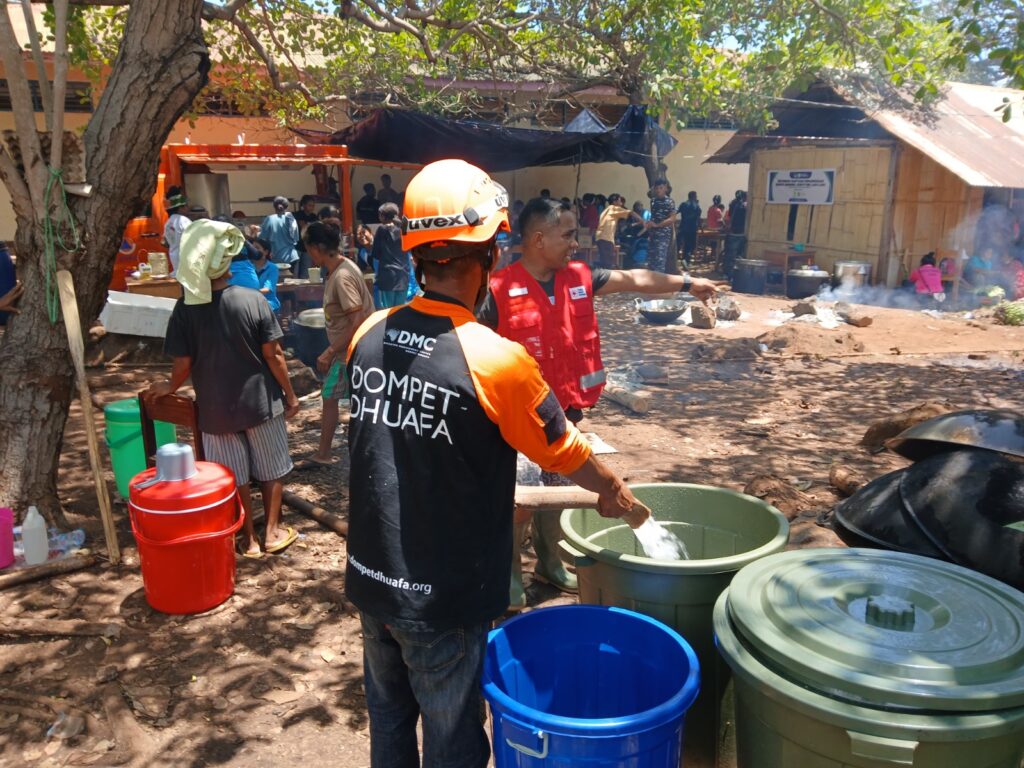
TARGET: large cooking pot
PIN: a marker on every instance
(851, 274)
(750, 276)
(310, 331)
(661, 311)
(805, 281)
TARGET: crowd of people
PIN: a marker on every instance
(659, 237)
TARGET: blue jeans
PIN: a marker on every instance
(433, 674)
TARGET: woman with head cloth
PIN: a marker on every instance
(281, 230)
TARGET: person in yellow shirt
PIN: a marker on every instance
(613, 213)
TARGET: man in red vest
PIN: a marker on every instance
(545, 301)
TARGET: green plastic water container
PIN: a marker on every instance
(723, 531)
(855, 658)
(124, 440)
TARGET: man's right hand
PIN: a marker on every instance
(9, 299)
(614, 499)
(622, 503)
(324, 361)
(704, 289)
(158, 389)
(291, 407)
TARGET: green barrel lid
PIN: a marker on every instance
(123, 411)
(884, 628)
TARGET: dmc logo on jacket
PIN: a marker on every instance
(413, 343)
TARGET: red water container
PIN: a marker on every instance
(185, 530)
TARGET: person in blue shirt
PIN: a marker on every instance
(282, 232)
(266, 272)
(10, 288)
(242, 271)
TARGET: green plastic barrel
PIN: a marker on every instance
(853, 658)
(124, 440)
(723, 531)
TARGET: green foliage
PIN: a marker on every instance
(993, 29)
(990, 36)
(1010, 313)
(682, 57)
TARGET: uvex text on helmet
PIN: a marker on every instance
(451, 200)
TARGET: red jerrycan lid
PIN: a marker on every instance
(212, 484)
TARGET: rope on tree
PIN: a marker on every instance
(52, 236)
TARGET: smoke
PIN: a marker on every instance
(874, 295)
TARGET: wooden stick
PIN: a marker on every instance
(543, 498)
(58, 628)
(322, 516)
(28, 712)
(637, 401)
(845, 480)
(57, 567)
(69, 306)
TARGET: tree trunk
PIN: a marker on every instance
(162, 65)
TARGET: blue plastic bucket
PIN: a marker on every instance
(589, 685)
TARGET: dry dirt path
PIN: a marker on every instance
(272, 677)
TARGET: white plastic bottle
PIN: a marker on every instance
(34, 539)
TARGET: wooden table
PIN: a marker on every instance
(166, 287)
(713, 239)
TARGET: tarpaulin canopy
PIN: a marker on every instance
(585, 122)
(400, 136)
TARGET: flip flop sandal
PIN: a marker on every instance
(250, 555)
(287, 541)
(310, 463)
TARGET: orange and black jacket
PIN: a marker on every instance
(440, 405)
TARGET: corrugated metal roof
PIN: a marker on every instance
(968, 136)
(963, 133)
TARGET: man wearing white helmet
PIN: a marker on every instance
(440, 406)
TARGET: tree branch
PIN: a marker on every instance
(24, 115)
(283, 49)
(85, 2)
(60, 81)
(21, 200)
(226, 12)
(268, 60)
(393, 23)
(37, 56)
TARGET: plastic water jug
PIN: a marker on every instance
(34, 538)
(6, 537)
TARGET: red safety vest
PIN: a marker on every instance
(562, 337)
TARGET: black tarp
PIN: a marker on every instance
(585, 122)
(401, 136)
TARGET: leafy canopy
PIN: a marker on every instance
(322, 59)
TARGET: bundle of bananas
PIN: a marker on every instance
(1010, 313)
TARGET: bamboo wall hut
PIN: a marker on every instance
(904, 183)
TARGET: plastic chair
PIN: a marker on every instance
(180, 410)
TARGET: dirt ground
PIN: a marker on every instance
(273, 676)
